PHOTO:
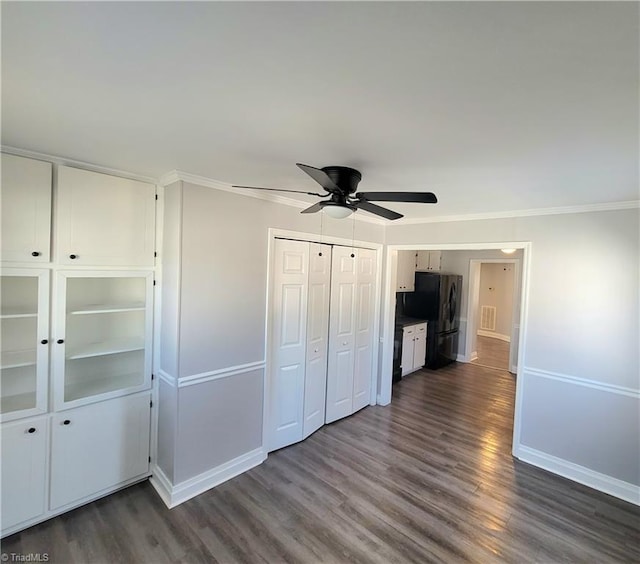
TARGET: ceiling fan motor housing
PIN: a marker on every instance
(343, 177)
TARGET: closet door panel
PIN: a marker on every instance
(317, 337)
(289, 330)
(341, 334)
(365, 311)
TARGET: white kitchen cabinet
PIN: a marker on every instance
(428, 261)
(405, 280)
(24, 446)
(102, 334)
(24, 342)
(98, 447)
(26, 210)
(414, 347)
(103, 220)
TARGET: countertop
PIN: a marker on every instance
(404, 321)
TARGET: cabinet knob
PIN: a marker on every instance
(66, 422)
(316, 350)
(353, 256)
(35, 254)
(73, 257)
(31, 430)
(60, 341)
(345, 343)
(319, 254)
(44, 342)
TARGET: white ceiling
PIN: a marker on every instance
(493, 106)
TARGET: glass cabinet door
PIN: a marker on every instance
(103, 335)
(24, 352)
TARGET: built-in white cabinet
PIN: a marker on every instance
(428, 261)
(102, 335)
(24, 342)
(75, 337)
(414, 347)
(98, 447)
(104, 220)
(24, 447)
(26, 210)
(405, 279)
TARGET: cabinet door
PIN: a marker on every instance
(365, 311)
(98, 447)
(315, 384)
(104, 220)
(24, 470)
(341, 334)
(434, 260)
(26, 209)
(102, 332)
(422, 261)
(289, 330)
(420, 346)
(406, 271)
(24, 342)
(408, 347)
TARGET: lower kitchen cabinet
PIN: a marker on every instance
(414, 347)
(24, 470)
(97, 447)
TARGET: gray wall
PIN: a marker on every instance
(496, 289)
(214, 307)
(583, 331)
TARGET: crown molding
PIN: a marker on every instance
(63, 161)
(585, 208)
(177, 175)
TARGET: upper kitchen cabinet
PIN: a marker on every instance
(104, 220)
(26, 209)
(428, 261)
(405, 280)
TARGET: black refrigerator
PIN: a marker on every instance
(437, 299)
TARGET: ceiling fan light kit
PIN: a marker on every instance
(340, 184)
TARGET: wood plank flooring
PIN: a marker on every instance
(493, 353)
(429, 478)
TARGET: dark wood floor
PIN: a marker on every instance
(429, 478)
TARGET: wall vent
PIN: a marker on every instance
(488, 318)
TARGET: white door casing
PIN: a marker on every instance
(289, 329)
(315, 386)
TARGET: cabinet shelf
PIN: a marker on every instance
(17, 402)
(90, 309)
(106, 348)
(17, 359)
(93, 387)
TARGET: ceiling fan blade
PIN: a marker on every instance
(280, 190)
(320, 176)
(378, 210)
(313, 209)
(417, 197)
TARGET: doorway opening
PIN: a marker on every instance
(493, 313)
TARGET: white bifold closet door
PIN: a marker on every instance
(300, 306)
(351, 318)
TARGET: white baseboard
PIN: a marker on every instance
(493, 335)
(173, 495)
(601, 482)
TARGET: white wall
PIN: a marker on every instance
(582, 333)
(216, 301)
(496, 289)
